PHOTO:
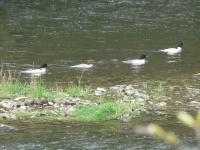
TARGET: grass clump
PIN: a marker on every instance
(16, 88)
(41, 93)
(102, 112)
(134, 107)
(156, 91)
(138, 108)
(79, 91)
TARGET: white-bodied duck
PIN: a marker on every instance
(173, 51)
(40, 70)
(136, 62)
(87, 65)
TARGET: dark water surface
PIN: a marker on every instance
(67, 32)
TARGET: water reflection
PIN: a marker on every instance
(174, 58)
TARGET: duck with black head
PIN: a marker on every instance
(41, 70)
(136, 62)
(173, 51)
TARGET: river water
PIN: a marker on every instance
(107, 135)
(62, 33)
(67, 32)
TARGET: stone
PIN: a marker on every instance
(4, 127)
(125, 118)
(8, 116)
(22, 107)
(50, 103)
(161, 105)
(20, 98)
(8, 104)
(2, 110)
(56, 105)
(194, 103)
(100, 91)
(70, 110)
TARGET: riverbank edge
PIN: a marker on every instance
(79, 103)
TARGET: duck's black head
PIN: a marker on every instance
(43, 66)
(143, 56)
(180, 44)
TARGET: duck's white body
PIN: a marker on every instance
(135, 62)
(172, 51)
(84, 66)
(35, 71)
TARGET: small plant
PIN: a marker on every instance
(102, 112)
(134, 106)
(42, 93)
(156, 91)
(39, 92)
(15, 88)
(79, 91)
(138, 108)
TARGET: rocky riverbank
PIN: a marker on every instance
(22, 107)
(129, 100)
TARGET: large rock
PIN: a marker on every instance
(8, 116)
(161, 105)
(4, 127)
(8, 104)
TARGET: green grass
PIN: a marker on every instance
(102, 112)
(16, 88)
(39, 93)
(80, 91)
(42, 93)
(138, 108)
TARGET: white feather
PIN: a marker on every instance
(35, 71)
(135, 62)
(172, 51)
(85, 66)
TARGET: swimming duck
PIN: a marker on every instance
(136, 62)
(173, 51)
(86, 66)
(40, 70)
(89, 64)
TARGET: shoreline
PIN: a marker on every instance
(34, 101)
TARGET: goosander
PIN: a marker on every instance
(87, 65)
(136, 62)
(38, 71)
(84, 66)
(173, 51)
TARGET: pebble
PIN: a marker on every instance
(100, 91)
